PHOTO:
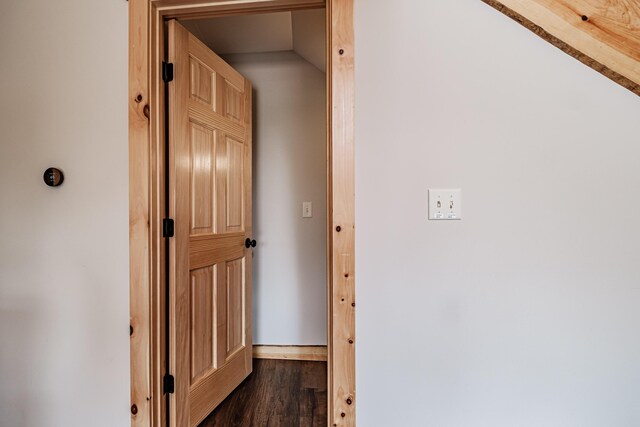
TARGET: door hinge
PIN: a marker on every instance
(167, 227)
(167, 71)
(168, 384)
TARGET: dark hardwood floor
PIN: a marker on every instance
(279, 393)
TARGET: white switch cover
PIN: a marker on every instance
(307, 210)
(445, 204)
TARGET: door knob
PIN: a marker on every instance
(250, 243)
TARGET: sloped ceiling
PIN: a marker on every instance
(300, 31)
(603, 34)
(308, 29)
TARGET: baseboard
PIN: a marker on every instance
(291, 352)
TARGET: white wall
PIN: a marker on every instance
(523, 314)
(263, 32)
(64, 306)
(289, 167)
(309, 36)
(526, 312)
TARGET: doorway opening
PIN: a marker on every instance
(282, 56)
(158, 398)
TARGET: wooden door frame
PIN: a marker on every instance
(146, 196)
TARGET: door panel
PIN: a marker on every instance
(202, 156)
(203, 298)
(235, 307)
(202, 83)
(234, 103)
(209, 198)
(235, 186)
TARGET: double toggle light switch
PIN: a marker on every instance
(445, 204)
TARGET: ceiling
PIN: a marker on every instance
(300, 31)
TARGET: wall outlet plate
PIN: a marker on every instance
(445, 204)
(307, 210)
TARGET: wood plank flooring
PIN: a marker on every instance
(279, 393)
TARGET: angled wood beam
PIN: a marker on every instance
(602, 34)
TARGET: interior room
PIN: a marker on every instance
(301, 213)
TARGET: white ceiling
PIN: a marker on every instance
(300, 31)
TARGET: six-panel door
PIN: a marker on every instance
(210, 199)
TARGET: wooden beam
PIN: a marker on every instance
(602, 34)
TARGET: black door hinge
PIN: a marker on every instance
(167, 71)
(167, 227)
(168, 384)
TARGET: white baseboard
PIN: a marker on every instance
(291, 352)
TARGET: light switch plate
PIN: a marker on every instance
(307, 210)
(445, 204)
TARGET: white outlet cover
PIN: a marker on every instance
(307, 210)
(445, 204)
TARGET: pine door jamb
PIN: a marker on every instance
(146, 196)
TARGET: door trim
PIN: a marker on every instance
(147, 205)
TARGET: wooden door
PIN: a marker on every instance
(209, 172)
